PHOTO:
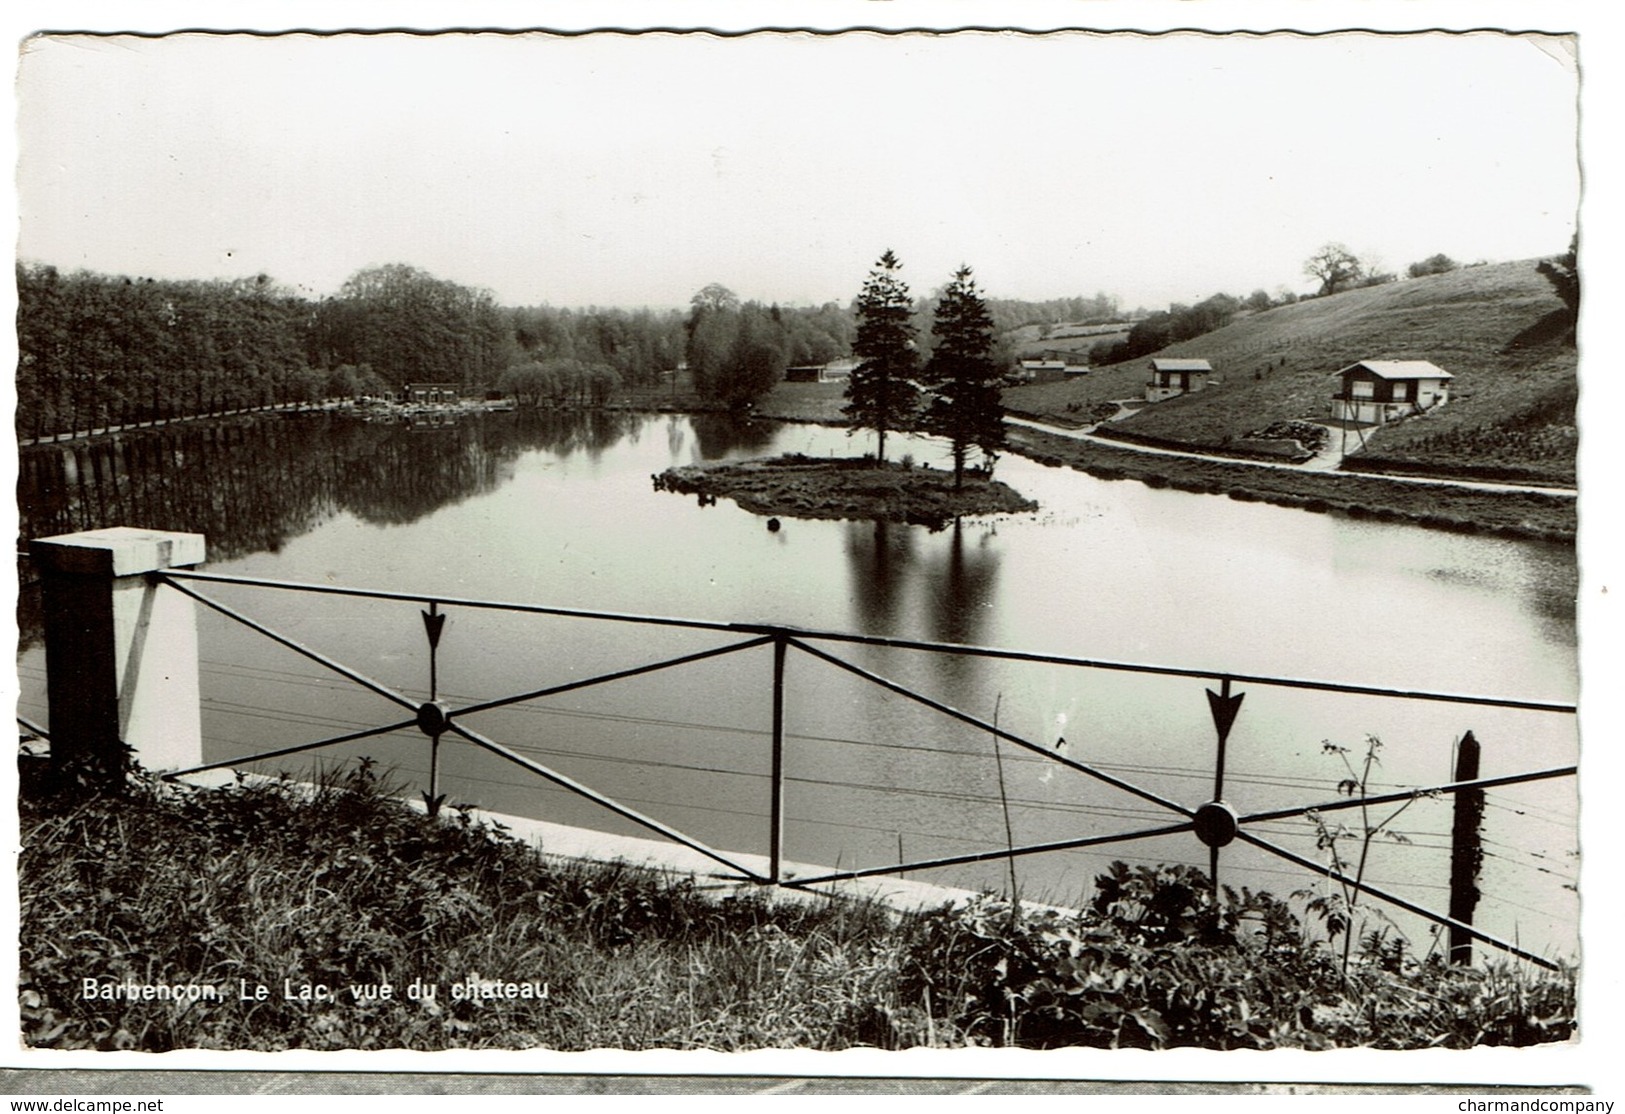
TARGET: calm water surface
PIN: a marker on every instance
(561, 511)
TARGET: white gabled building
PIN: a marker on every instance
(1378, 391)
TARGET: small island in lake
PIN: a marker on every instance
(798, 486)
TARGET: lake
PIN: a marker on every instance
(560, 510)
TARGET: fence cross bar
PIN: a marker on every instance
(1406, 794)
(1180, 671)
(262, 756)
(598, 798)
(168, 577)
(985, 856)
(457, 601)
(999, 732)
(1395, 899)
(619, 675)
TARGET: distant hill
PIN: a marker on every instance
(1038, 342)
(1499, 329)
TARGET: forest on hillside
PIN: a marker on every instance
(97, 350)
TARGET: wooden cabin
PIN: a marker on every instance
(820, 373)
(1171, 378)
(1378, 391)
(1043, 371)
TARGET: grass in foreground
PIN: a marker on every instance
(271, 883)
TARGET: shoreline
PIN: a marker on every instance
(1528, 515)
(1524, 515)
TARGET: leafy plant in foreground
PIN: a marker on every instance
(1339, 909)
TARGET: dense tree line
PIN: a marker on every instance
(103, 350)
(97, 350)
(737, 351)
(108, 350)
(561, 380)
(1009, 314)
(411, 327)
(1177, 323)
(639, 346)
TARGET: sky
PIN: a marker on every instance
(633, 170)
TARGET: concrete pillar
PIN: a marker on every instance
(120, 653)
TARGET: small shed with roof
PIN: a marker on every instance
(430, 394)
(820, 373)
(1378, 391)
(1043, 371)
(1173, 377)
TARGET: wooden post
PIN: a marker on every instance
(120, 655)
(1466, 850)
(775, 837)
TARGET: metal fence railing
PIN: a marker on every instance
(1215, 823)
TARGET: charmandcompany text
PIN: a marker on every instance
(1535, 1106)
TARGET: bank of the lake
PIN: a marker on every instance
(1513, 514)
(861, 488)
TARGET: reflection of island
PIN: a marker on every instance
(880, 555)
(960, 595)
(953, 587)
(252, 484)
(904, 583)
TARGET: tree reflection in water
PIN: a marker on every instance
(881, 554)
(722, 435)
(962, 592)
(252, 484)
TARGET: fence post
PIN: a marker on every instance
(776, 819)
(1466, 850)
(120, 655)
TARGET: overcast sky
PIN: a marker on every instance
(622, 170)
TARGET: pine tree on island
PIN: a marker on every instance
(962, 377)
(881, 394)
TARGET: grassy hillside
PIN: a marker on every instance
(1495, 328)
(1030, 342)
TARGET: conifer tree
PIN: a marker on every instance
(961, 375)
(881, 394)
